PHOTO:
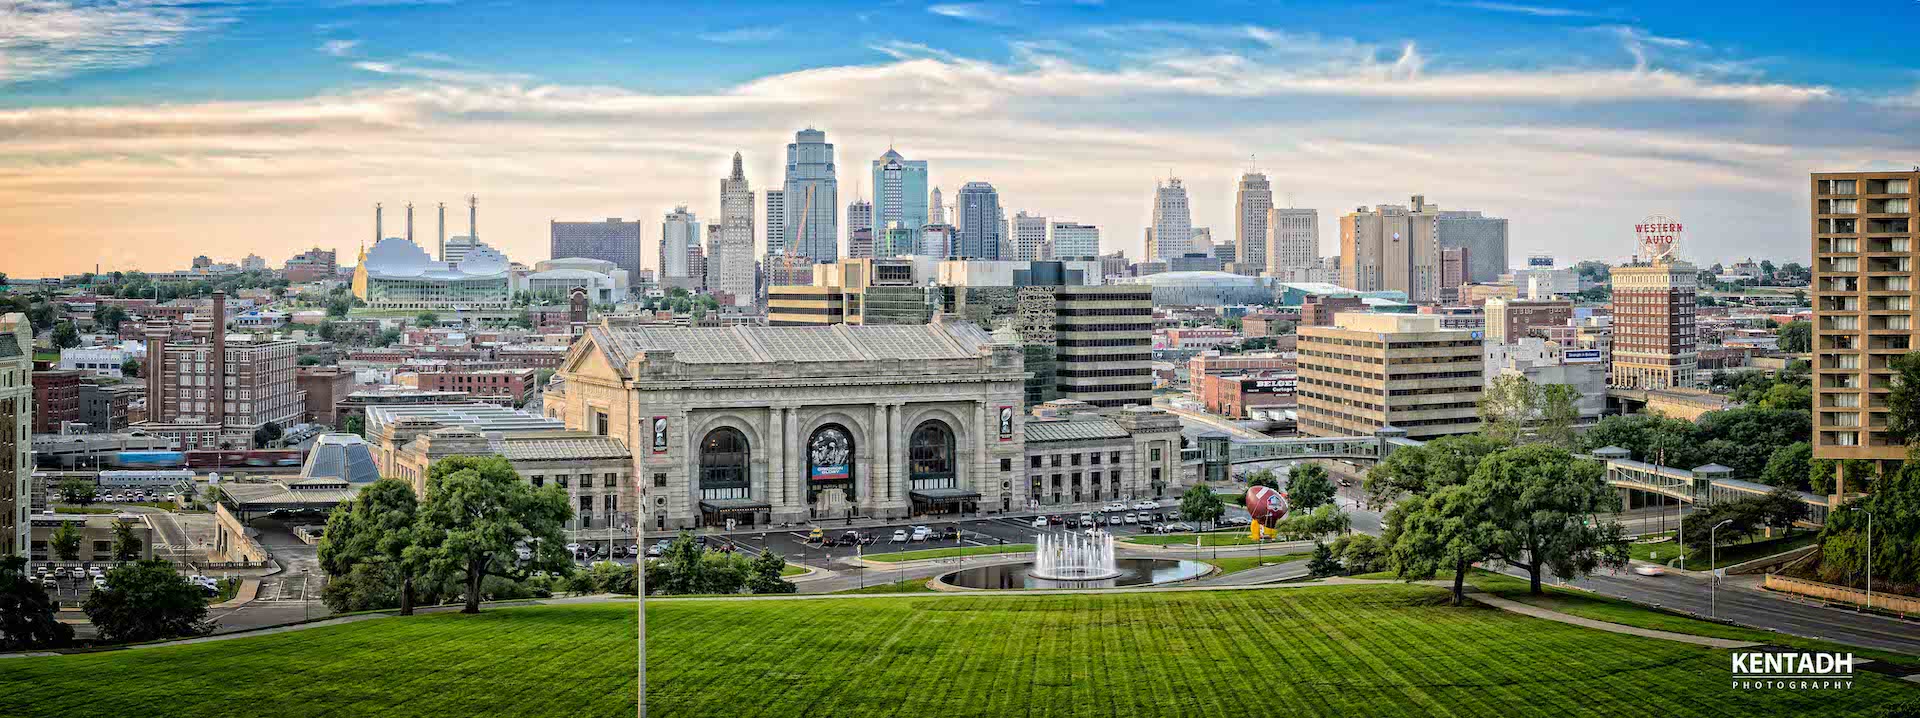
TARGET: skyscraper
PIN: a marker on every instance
(679, 234)
(1172, 220)
(776, 222)
(1251, 205)
(730, 254)
(1200, 241)
(1484, 238)
(1029, 238)
(899, 194)
(1653, 324)
(812, 197)
(613, 241)
(978, 209)
(1293, 245)
(936, 212)
(1863, 281)
(1392, 247)
(859, 217)
(1072, 240)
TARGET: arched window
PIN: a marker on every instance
(930, 453)
(725, 462)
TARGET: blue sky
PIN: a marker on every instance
(128, 126)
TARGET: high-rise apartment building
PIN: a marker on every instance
(1103, 339)
(1371, 371)
(1251, 206)
(812, 197)
(859, 217)
(1484, 238)
(1072, 240)
(899, 194)
(1029, 238)
(16, 420)
(613, 241)
(776, 222)
(680, 234)
(730, 254)
(1392, 247)
(1863, 285)
(1293, 243)
(1172, 228)
(981, 222)
(860, 243)
(1653, 321)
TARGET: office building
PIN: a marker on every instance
(312, 265)
(776, 222)
(680, 235)
(1252, 204)
(859, 217)
(936, 211)
(1484, 238)
(16, 420)
(1863, 278)
(1371, 371)
(1293, 244)
(1453, 272)
(207, 392)
(56, 399)
(1071, 240)
(1653, 322)
(730, 258)
(1172, 230)
(1104, 344)
(1510, 320)
(1029, 238)
(860, 243)
(812, 198)
(1392, 247)
(107, 408)
(899, 195)
(980, 222)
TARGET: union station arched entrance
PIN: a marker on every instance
(933, 472)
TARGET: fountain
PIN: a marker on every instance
(1075, 559)
(1074, 556)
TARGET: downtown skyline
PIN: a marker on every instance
(139, 135)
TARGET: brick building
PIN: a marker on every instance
(1234, 395)
(56, 398)
(514, 386)
(324, 387)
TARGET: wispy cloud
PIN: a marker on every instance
(339, 48)
(743, 35)
(52, 39)
(1518, 9)
(972, 12)
(441, 75)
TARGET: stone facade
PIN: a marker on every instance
(790, 424)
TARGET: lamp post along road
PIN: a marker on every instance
(1713, 569)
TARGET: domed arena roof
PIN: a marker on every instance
(396, 257)
(483, 260)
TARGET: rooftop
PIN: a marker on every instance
(762, 345)
(1077, 429)
(480, 417)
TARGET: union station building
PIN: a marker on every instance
(759, 425)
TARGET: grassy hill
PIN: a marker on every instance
(1369, 650)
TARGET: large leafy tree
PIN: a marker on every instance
(147, 600)
(1263, 477)
(1507, 404)
(1545, 506)
(66, 541)
(1199, 504)
(1796, 337)
(1447, 531)
(1559, 411)
(1308, 487)
(375, 527)
(26, 614)
(78, 491)
(1789, 466)
(126, 546)
(477, 510)
(1903, 403)
(1443, 462)
(765, 576)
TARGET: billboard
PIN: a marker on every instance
(1006, 423)
(659, 434)
(1581, 356)
(829, 455)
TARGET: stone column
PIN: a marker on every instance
(776, 474)
(793, 458)
(982, 478)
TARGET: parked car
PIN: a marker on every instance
(1086, 521)
(49, 585)
(95, 572)
(1130, 518)
(1146, 505)
(633, 549)
(1114, 506)
(524, 553)
(816, 536)
(1236, 521)
(1178, 527)
(899, 536)
(574, 548)
(850, 538)
(866, 539)
(950, 533)
(922, 533)
(1039, 522)
(100, 584)
(656, 551)
(1055, 520)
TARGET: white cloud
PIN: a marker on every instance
(1534, 10)
(973, 12)
(52, 39)
(743, 35)
(339, 48)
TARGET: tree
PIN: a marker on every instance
(65, 541)
(685, 567)
(1544, 505)
(1788, 466)
(147, 600)
(65, 336)
(354, 424)
(1308, 487)
(130, 368)
(476, 512)
(765, 574)
(1559, 411)
(1323, 562)
(387, 338)
(1199, 504)
(78, 491)
(1903, 403)
(126, 546)
(1449, 530)
(1443, 462)
(1263, 477)
(1360, 552)
(1507, 404)
(266, 435)
(376, 527)
(427, 319)
(109, 318)
(27, 616)
(1796, 337)
(1327, 520)
(1895, 507)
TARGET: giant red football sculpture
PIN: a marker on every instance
(1266, 505)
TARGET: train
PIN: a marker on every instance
(206, 459)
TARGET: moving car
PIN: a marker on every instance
(1055, 520)
(850, 538)
(899, 536)
(1648, 569)
(1114, 506)
(1039, 522)
(816, 536)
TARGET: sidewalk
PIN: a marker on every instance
(1537, 612)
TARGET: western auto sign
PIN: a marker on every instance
(1658, 233)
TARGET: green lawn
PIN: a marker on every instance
(792, 570)
(1236, 564)
(912, 585)
(1386, 650)
(948, 552)
(1727, 554)
(82, 510)
(1211, 538)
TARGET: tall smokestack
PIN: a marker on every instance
(376, 223)
(219, 379)
(409, 221)
(473, 218)
(443, 231)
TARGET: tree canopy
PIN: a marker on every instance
(476, 513)
(27, 615)
(375, 527)
(1545, 507)
(1445, 461)
(1200, 504)
(147, 600)
(1308, 487)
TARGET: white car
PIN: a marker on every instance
(900, 536)
(922, 533)
(1147, 505)
(1039, 522)
(1115, 506)
(99, 584)
(1130, 518)
(1648, 569)
(96, 572)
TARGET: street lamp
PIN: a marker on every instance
(303, 594)
(1869, 553)
(1713, 569)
